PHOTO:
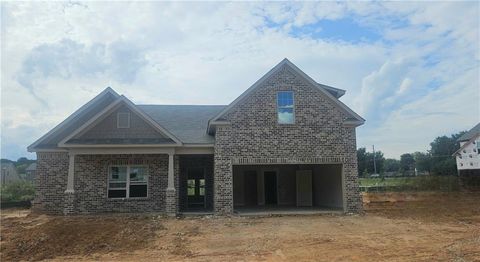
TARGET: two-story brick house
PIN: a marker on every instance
(286, 142)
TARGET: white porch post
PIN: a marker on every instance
(171, 199)
(69, 199)
(71, 173)
(171, 185)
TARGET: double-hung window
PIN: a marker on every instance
(127, 181)
(285, 107)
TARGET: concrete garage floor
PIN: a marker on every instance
(285, 210)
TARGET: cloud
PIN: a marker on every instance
(394, 59)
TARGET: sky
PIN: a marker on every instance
(411, 69)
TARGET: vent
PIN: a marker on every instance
(123, 120)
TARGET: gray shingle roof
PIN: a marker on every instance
(186, 122)
(470, 134)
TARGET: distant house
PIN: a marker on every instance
(30, 172)
(468, 157)
(8, 173)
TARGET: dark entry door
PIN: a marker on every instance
(251, 188)
(196, 188)
(270, 181)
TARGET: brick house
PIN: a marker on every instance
(287, 143)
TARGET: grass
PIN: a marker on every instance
(442, 183)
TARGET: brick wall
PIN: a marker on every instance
(50, 182)
(91, 176)
(254, 135)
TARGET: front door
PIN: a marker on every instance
(196, 188)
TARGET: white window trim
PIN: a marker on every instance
(128, 119)
(278, 107)
(127, 183)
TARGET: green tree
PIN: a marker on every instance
(379, 161)
(361, 161)
(441, 150)
(391, 165)
(407, 162)
(423, 161)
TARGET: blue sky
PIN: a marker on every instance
(411, 69)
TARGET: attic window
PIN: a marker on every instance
(123, 120)
(285, 107)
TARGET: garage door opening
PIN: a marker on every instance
(287, 188)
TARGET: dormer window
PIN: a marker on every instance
(285, 107)
(123, 120)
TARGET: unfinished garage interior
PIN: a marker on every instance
(289, 188)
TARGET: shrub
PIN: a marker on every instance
(17, 191)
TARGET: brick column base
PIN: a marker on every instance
(171, 202)
(69, 203)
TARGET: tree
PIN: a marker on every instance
(407, 162)
(365, 161)
(391, 165)
(423, 161)
(361, 161)
(379, 160)
(441, 150)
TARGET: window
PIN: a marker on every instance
(121, 185)
(123, 120)
(192, 184)
(285, 107)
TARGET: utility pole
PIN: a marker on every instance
(374, 163)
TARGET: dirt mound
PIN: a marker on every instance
(38, 237)
(425, 206)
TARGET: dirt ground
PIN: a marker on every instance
(395, 227)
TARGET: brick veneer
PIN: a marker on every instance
(255, 136)
(90, 184)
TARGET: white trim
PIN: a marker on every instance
(113, 151)
(121, 146)
(31, 148)
(128, 119)
(198, 145)
(50, 150)
(194, 151)
(286, 62)
(98, 117)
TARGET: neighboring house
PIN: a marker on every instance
(286, 142)
(8, 173)
(30, 172)
(468, 157)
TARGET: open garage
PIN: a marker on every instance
(287, 188)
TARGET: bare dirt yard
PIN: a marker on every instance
(395, 227)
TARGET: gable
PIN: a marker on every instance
(102, 130)
(259, 107)
(351, 118)
(51, 139)
(107, 128)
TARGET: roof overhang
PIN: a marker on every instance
(34, 146)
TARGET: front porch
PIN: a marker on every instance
(138, 180)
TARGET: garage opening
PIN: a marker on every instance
(287, 188)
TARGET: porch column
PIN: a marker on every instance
(171, 201)
(69, 197)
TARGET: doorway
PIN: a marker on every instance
(270, 183)
(196, 188)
